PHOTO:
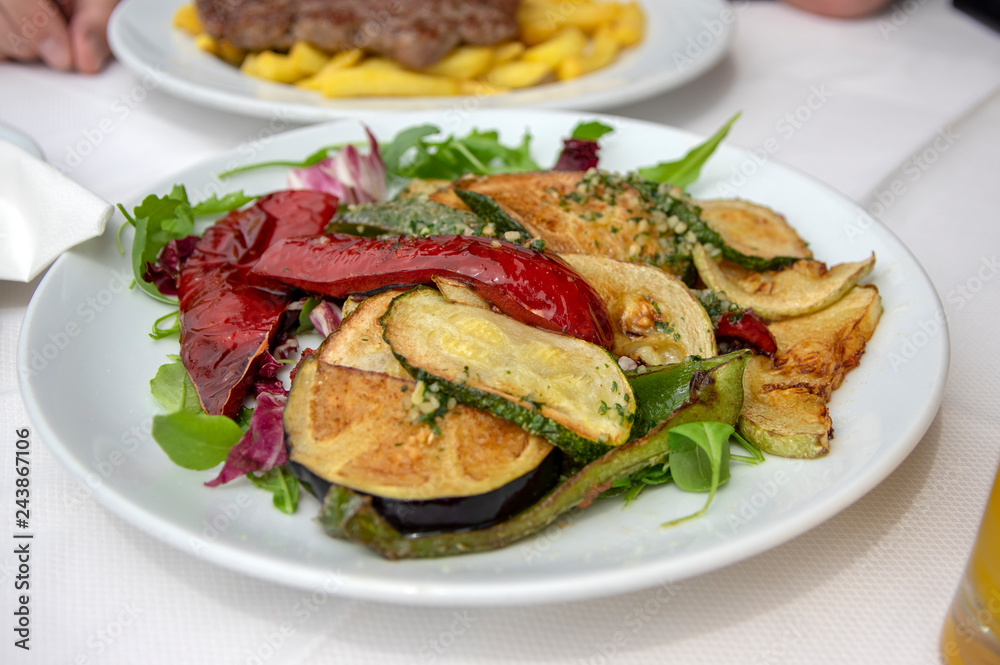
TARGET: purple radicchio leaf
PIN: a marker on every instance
(577, 155)
(351, 177)
(262, 446)
(325, 318)
(164, 273)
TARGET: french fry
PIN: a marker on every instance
(377, 80)
(507, 52)
(465, 62)
(630, 26)
(186, 19)
(229, 53)
(518, 74)
(539, 22)
(337, 62)
(604, 50)
(307, 57)
(206, 43)
(272, 66)
(567, 43)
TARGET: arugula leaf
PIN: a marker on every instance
(591, 131)
(195, 441)
(172, 387)
(699, 459)
(685, 171)
(160, 219)
(282, 484)
(311, 160)
(411, 155)
(403, 142)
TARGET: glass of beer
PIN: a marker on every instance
(971, 634)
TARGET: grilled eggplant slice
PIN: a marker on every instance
(784, 411)
(753, 229)
(713, 395)
(569, 391)
(657, 321)
(801, 288)
(357, 429)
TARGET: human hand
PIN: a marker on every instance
(64, 34)
(841, 8)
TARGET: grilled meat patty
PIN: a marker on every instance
(416, 33)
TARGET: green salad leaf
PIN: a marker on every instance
(280, 482)
(685, 171)
(699, 459)
(412, 154)
(190, 437)
(160, 219)
(591, 131)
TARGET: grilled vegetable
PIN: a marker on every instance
(228, 318)
(716, 396)
(656, 319)
(358, 341)
(803, 288)
(531, 286)
(564, 389)
(355, 429)
(409, 216)
(752, 229)
(785, 412)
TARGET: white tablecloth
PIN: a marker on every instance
(901, 112)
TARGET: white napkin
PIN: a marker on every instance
(42, 214)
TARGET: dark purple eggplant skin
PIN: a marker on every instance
(456, 514)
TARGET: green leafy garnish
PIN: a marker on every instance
(282, 484)
(195, 441)
(412, 155)
(160, 219)
(686, 170)
(591, 131)
(699, 459)
(311, 160)
(191, 438)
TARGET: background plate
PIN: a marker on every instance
(684, 39)
(84, 363)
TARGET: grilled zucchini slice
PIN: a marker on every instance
(802, 288)
(657, 320)
(753, 229)
(569, 391)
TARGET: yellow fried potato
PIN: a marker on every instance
(630, 26)
(604, 49)
(307, 57)
(337, 62)
(272, 66)
(540, 22)
(565, 44)
(186, 19)
(375, 79)
(507, 52)
(465, 62)
(519, 74)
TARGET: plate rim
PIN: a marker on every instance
(633, 91)
(520, 592)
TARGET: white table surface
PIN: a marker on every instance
(900, 112)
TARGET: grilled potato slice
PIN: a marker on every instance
(784, 412)
(801, 288)
(656, 319)
(753, 229)
(550, 205)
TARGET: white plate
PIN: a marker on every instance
(685, 38)
(20, 139)
(84, 361)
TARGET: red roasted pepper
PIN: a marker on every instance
(228, 317)
(747, 329)
(534, 287)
